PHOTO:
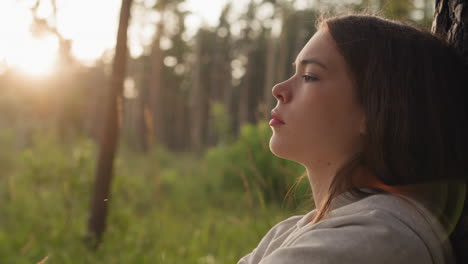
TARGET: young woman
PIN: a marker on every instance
(377, 114)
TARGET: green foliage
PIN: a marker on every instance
(221, 123)
(398, 9)
(44, 200)
(248, 165)
(164, 207)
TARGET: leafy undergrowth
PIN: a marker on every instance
(164, 208)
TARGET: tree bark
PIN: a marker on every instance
(451, 22)
(108, 143)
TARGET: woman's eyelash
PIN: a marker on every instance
(309, 78)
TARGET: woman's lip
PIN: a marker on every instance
(275, 122)
(275, 116)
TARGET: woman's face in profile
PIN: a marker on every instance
(322, 118)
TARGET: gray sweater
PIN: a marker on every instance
(380, 228)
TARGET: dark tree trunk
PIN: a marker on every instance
(108, 143)
(451, 22)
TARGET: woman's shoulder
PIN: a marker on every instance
(279, 232)
(385, 225)
(389, 209)
(287, 223)
(274, 238)
(377, 229)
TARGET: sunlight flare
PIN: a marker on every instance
(34, 56)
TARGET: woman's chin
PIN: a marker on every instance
(278, 148)
(284, 150)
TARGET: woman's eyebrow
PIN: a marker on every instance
(311, 61)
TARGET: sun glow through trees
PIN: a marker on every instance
(90, 25)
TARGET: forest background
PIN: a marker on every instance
(194, 180)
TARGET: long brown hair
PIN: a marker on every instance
(412, 86)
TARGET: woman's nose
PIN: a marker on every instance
(281, 93)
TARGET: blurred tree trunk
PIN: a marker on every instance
(451, 22)
(196, 104)
(268, 99)
(251, 90)
(426, 10)
(180, 123)
(282, 61)
(170, 114)
(138, 129)
(255, 78)
(155, 93)
(221, 80)
(108, 144)
(94, 124)
(146, 129)
(199, 104)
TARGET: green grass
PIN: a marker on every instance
(164, 208)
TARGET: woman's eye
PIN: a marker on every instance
(309, 78)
